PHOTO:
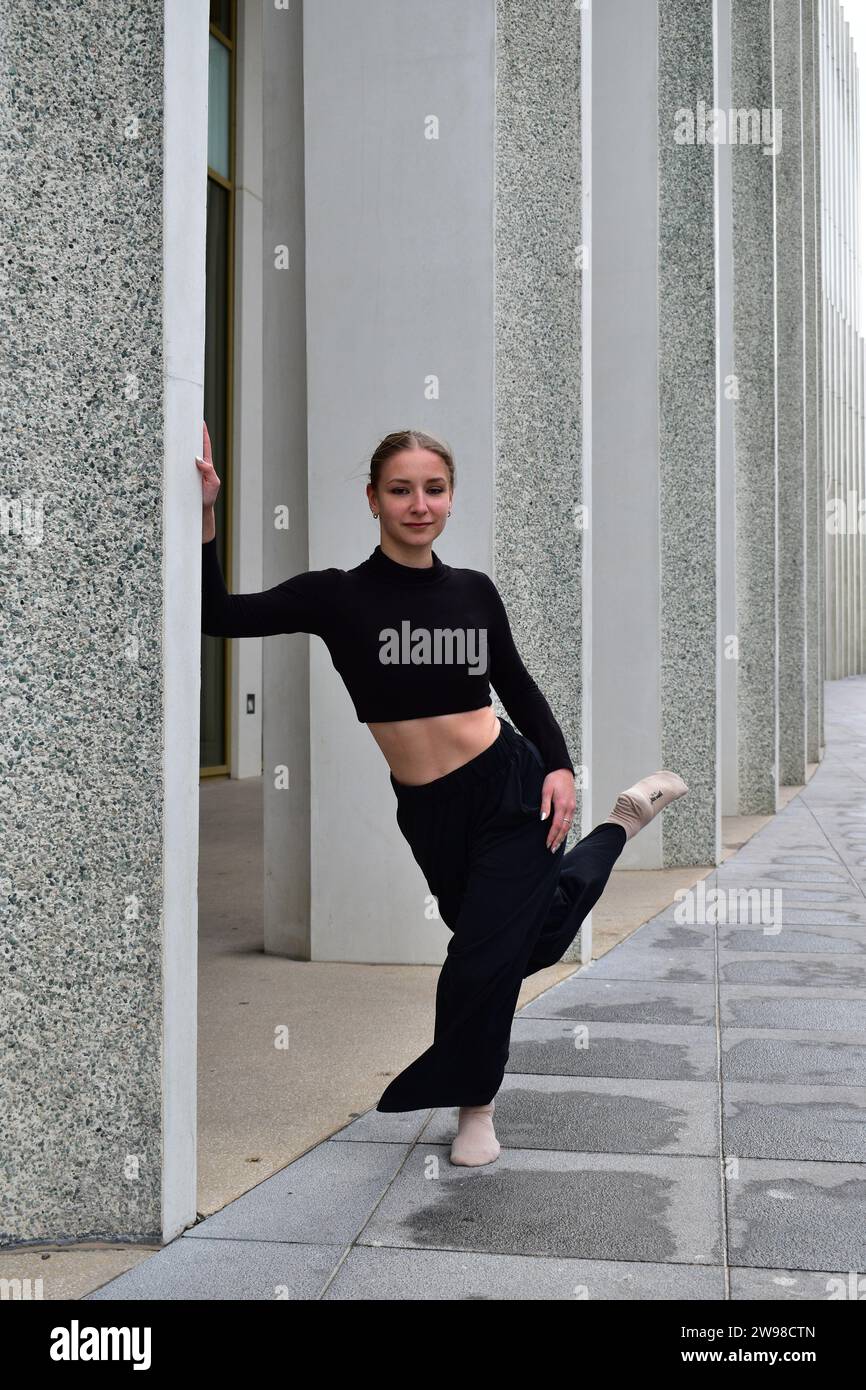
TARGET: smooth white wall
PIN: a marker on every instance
(399, 287)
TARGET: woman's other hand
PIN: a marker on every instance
(558, 790)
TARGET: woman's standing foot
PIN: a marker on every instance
(475, 1142)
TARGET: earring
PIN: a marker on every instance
(375, 516)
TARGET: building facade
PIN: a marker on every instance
(608, 251)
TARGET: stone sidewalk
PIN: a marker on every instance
(685, 1118)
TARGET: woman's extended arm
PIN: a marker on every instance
(520, 695)
(297, 605)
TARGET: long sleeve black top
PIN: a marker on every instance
(407, 642)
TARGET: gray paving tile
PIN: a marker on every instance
(323, 1198)
(851, 855)
(821, 853)
(803, 1285)
(794, 938)
(664, 933)
(746, 888)
(597, 1115)
(773, 1006)
(851, 812)
(755, 859)
(840, 830)
(846, 896)
(763, 912)
(587, 1048)
(858, 810)
(788, 840)
(236, 1270)
(828, 791)
(683, 911)
(828, 1059)
(582, 998)
(384, 1127)
(799, 870)
(804, 835)
(578, 1206)
(800, 1122)
(796, 915)
(809, 971)
(826, 796)
(383, 1273)
(684, 966)
(788, 1216)
(837, 826)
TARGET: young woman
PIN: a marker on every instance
(485, 809)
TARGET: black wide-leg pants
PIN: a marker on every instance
(512, 907)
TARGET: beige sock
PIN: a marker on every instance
(475, 1142)
(638, 805)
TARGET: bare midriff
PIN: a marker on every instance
(420, 750)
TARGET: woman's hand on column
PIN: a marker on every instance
(558, 791)
(210, 486)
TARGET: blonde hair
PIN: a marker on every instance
(409, 439)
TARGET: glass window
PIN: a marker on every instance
(218, 107)
(221, 16)
(215, 651)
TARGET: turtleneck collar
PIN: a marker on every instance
(396, 573)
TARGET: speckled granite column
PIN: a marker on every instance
(537, 543)
(727, 490)
(754, 418)
(687, 430)
(538, 546)
(87, 927)
(790, 393)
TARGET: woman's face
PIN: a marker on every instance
(413, 497)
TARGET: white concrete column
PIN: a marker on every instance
(284, 490)
(247, 390)
(398, 102)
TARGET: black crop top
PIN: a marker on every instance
(407, 642)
